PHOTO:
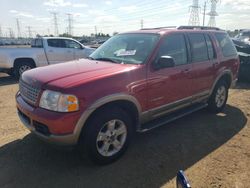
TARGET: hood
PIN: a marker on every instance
(74, 72)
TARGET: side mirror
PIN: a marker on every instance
(182, 181)
(164, 62)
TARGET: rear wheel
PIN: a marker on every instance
(106, 136)
(21, 67)
(218, 99)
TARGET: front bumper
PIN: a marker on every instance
(60, 126)
(5, 70)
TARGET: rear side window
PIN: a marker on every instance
(210, 47)
(56, 43)
(198, 47)
(72, 44)
(174, 46)
(37, 43)
(226, 44)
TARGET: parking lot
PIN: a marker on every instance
(212, 149)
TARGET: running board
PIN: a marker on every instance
(171, 117)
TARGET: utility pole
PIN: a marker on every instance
(19, 35)
(194, 19)
(54, 14)
(29, 31)
(70, 24)
(1, 32)
(204, 13)
(11, 33)
(141, 23)
(95, 31)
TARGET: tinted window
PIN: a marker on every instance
(198, 47)
(226, 44)
(57, 43)
(37, 43)
(72, 44)
(174, 46)
(210, 47)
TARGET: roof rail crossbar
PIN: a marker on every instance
(198, 27)
(167, 27)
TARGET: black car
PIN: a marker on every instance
(242, 44)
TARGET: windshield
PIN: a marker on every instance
(126, 48)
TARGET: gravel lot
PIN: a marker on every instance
(212, 149)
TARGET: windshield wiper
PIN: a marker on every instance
(90, 58)
(108, 59)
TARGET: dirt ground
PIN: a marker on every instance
(213, 150)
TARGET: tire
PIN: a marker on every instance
(21, 67)
(106, 136)
(218, 99)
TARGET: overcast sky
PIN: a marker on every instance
(113, 15)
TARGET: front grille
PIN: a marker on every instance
(28, 92)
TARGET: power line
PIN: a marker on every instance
(194, 14)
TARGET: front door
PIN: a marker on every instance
(57, 52)
(170, 88)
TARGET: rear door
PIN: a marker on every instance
(169, 88)
(203, 58)
(57, 52)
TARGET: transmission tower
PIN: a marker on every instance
(194, 9)
(70, 24)
(29, 31)
(19, 35)
(212, 13)
(54, 14)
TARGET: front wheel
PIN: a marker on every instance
(21, 67)
(218, 99)
(107, 135)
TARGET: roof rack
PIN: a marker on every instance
(167, 27)
(185, 27)
(198, 27)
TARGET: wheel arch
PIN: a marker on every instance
(24, 59)
(225, 75)
(124, 101)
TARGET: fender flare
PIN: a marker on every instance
(225, 72)
(100, 102)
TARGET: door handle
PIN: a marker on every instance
(186, 71)
(216, 64)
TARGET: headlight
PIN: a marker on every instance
(59, 102)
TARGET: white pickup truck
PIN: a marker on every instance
(44, 51)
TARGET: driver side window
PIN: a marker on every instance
(174, 46)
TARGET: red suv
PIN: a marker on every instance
(135, 81)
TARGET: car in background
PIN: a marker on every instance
(242, 44)
(44, 51)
